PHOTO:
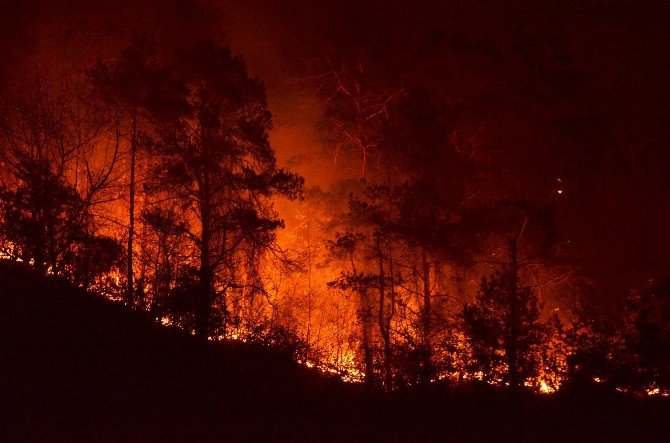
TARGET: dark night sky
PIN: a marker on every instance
(576, 90)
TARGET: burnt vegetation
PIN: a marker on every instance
(449, 246)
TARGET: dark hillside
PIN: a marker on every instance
(76, 367)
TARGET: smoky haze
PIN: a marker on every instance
(570, 96)
(570, 91)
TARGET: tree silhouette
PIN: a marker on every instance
(356, 106)
(217, 163)
(522, 239)
(505, 331)
(646, 335)
(346, 247)
(46, 133)
(42, 216)
(168, 236)
(130, 87)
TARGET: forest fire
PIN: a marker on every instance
(470, 201)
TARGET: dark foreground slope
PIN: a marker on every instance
(75, 367)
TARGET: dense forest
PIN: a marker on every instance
(463, 195)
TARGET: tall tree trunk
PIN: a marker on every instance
(512, 345)
(309, 284)
(130, 290)
(203, 303)
(426, 319)
(365, 313)
(366, 338)
(204, 296)
(40, 251)
(85, 279)
(392, 294)
(381, 318)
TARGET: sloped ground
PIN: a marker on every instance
(76, 367)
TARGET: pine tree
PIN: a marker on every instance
(504, 329)
(217, 163)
